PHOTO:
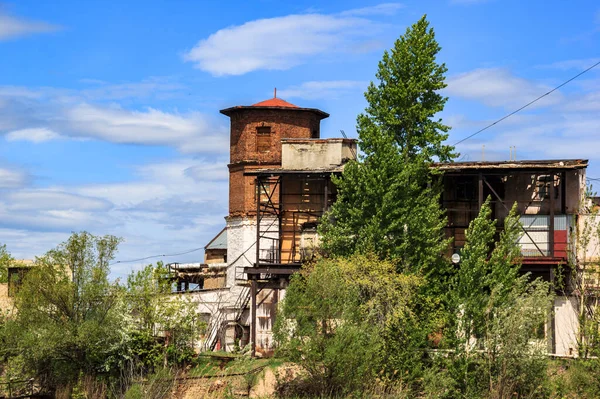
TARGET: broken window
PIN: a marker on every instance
(263, 139)
(263, 191)
(542, 187)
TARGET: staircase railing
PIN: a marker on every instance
(219, 319)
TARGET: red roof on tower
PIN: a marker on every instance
(274, 103)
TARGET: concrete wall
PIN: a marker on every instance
(299, 154)
(6, 302)
(241, 239)
(566, 325)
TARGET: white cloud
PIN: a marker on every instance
(579, 64)
(190, 132)
(168, 207)
(278, 43)
(53, 200)
(10, 178)
(34, 135)
(322, 89)
(49, 114)
(468, 2)
(379, 9)
(157, 87)
(12, 27)
(497, 87)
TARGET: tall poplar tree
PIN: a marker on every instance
(388, 201)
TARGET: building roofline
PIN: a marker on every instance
(525, 164)
(215, 238)
(281, 172)
(231, 110)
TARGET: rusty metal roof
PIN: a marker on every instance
(280, 172)
(526, 164)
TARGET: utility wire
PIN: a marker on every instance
(157, 256)
(191, 250)
(528, 104)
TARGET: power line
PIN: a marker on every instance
(190, 251)
(528, 104)
(157, 256)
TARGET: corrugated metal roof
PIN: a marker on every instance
(532, 164)
(219, 242)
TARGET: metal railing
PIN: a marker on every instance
(218, 320)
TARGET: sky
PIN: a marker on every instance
(109, 111)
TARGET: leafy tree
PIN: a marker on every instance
(70, 317)
(500, 314)
(5, 261)
(343, 319)
(388, 201)
(164, 327)
(584, 268)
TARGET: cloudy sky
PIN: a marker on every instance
(109, 115)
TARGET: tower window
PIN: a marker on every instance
(263, 138)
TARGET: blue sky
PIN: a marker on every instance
(109, 115)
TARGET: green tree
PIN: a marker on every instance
(5, 261)
(388, 201)
(70, 317)
(500, 314)
(164, 327)
(584, 271)
(344, 319)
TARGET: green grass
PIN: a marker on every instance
(217, 364)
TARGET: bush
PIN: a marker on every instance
(349, 322)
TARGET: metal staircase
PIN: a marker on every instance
(219, 320)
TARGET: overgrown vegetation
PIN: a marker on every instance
(381, 313)
(72, 323)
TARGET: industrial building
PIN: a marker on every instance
(280, 185)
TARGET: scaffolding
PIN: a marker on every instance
(289, 206)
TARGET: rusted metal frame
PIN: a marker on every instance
(269, 203)
(253, 316)
(280, 220)
(505, 207)
(551, 233)
(325, 194)
(480, 189)
(563, 193)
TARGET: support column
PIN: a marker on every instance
(480, 191)
(551, 224)
(253, 315)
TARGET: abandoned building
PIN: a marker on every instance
(280, 185)
(549, 197)
(15, 274)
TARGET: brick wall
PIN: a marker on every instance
(283, 123)
(244, 154)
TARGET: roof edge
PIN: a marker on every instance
(231, 110)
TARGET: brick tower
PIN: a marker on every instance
(255, 143)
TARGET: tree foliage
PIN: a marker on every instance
(388, 201)
(339, 319)
(584, 276)
(500, 345)
(69, 317)
(5, 261)
(164, 328)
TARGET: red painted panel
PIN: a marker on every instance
(560, 244)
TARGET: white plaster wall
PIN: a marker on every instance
(566, 325)
(241, 240)
(315, 154)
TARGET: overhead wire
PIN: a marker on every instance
(527, 105)
(157, 256)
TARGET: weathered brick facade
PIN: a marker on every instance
(250, 149)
